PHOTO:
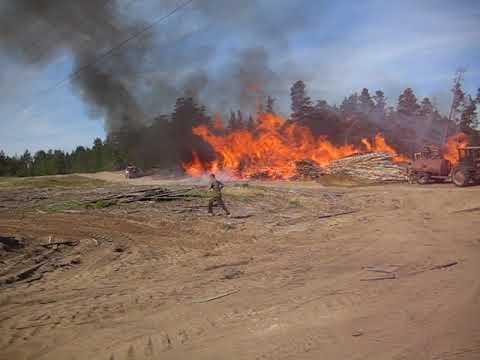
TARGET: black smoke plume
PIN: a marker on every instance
(177, 58)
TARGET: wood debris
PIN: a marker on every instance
(372, 167)
(151, 194)
(307, 170)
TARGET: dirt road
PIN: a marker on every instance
(278, 280)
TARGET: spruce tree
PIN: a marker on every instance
(407, 103)
(301, 104)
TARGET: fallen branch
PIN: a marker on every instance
(241, 216)
(388, 277)
(337, 214)
(27, 272)
(443, 266)
(380, 270)
(216, 297)
(213, 267)
(467, 210)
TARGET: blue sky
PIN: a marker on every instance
(336, 47)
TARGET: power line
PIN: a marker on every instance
(109, 52)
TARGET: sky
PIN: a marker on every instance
(336, 47)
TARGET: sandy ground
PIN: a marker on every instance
(275, 281)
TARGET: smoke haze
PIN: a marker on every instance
(144, 78)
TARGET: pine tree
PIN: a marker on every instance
(366, 102)
(458, 98)
(301, 104)
(232, 122)
(350, 105)
(321, 106)
(468, 120)
(26, 163)
(269, 106)
(426, 107)
(98, 154)
(240, 124)
(407, 103)
(380, 102)
(251, 123)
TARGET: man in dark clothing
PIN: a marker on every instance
(216, 187)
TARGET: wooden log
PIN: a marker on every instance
(388, 277)
(443, 266)
(216, 297)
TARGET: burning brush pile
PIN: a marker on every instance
(280, 149)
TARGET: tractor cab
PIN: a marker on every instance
(467, 171)
(469, 155)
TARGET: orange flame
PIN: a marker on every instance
(380, 145)
(217, 122)
(454, 142)
(272, 149)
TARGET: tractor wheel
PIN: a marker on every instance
(423, 178)
(460, 177)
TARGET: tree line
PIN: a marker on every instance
(100, 157)
(167, 141)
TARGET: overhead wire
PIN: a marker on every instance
(109, 52)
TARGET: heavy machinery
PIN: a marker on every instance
(132, 172)
(467, 171)
(429, 166)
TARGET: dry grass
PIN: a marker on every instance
(68, 181)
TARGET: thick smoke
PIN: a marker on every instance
(217, 51)
(36, 31)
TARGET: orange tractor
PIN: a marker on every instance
(429, 166)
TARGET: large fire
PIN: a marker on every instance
(454, 142)
(272, 149)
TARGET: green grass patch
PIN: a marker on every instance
(293, 203)
(243, 192)
(72, 181)
(66, 205)
(198, 193)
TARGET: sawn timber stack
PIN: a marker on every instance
(372, 167)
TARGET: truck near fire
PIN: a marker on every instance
(429, 166)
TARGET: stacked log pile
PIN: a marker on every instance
(307, 170)
(372, 167)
